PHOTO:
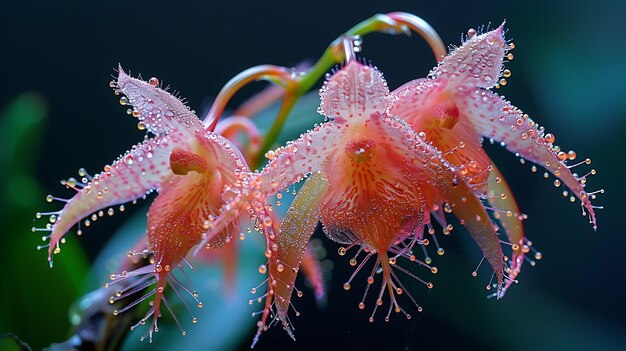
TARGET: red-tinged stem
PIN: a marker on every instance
(229, 128)
(267, 72)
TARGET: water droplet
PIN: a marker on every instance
(153, 81)
(262, 269)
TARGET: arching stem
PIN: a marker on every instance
(296, 85)
(262, 72)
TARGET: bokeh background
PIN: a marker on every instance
(59, 114)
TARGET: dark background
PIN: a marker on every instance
(568, 74)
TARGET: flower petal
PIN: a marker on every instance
(157, 109)
(290, 164)
(451, 187)
(477, 62)
(356, 90)
(144, 167)
(293, 236)
(496, 118)
(428, 107)
(501, 197)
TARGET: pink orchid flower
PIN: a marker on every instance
(186, 164)
(373, 183)
(456, 110)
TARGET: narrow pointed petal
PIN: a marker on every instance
(501, 197)
(471, 212)
(496, 118)
(356, 90)
(477, 62)
(293, 236)
(144, 167)
(157, 109)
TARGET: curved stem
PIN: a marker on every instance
(418, 25)
(239, 81)
(393, 22)
(338, 51)
(291, 96)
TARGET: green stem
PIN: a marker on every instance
(290, 99)
(333, 56)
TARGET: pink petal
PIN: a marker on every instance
(449, 186)
(290, 164)
(501, 198)
(477, 62)
(158, 110)
(497, 119)
(356, 90)
(144, 167)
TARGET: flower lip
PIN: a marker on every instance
(360, 151)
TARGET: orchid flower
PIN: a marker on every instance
(373, 183)
(456, 110)
(186, 164)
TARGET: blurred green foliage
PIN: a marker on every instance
(34, 298)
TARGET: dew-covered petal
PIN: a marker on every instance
(471, 212)
(501, 198)
(429, 107)
(159, 111)
(477, 62)
(307, 154)
(441, 182)
(176, 216)
(496, 118)
(293, 236)
(227, 167)
(356, 90)
(144, 167)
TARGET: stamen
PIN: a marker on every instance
(134, 303)
(586, 161)
(167, 305)
(346, 285)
